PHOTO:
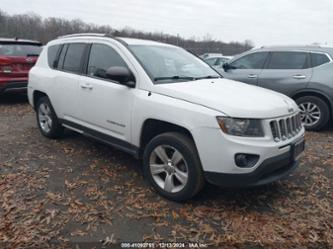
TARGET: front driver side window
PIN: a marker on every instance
(250, 61)
(102, 57)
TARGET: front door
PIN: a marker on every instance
(247, 68)
(105, 105)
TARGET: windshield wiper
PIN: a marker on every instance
(208, 77)
(174, 78)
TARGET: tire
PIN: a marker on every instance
(185, 162)
(320, 113)
(47, 119)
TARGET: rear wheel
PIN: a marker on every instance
(47, 120)
(172, 166)
(315, 112)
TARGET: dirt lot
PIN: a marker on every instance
(75, 192)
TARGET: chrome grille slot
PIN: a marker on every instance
(289, 128)
(299, 121)
(292, 126)
(295, 124)
(274, 130)
(285, 128)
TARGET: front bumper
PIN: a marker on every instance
(270, 170)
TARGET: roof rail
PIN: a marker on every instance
(85, 34)
(293, 46)
(93, 35)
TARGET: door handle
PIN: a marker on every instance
(299, 77)
(252, 76)
(86, 86)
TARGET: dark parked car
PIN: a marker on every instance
(17, 57)
(303, 73)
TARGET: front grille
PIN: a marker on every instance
(285, 128)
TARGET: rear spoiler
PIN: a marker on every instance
(21, 42)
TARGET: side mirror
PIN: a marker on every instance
(122, 75)
(226, 66)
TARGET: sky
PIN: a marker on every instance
(278, 22)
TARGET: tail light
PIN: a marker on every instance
(4, 61)
(5, 65)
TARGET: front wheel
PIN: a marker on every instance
(47, 120)
(172, 165)
(315, 112)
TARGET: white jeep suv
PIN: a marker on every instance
(167, 107)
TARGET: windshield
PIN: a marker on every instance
(12, 49)
(166, 64)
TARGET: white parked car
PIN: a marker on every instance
(167, 107)
(217, 62)
(206, 55)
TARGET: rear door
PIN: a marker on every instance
(65, 85)
(286, 72)
(247, 68)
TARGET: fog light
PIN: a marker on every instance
(246, 160)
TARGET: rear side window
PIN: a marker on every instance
(73, 57)
(288, 60)
(102, 57)
(319, 59)
(251, 61)
(52, 54)
(20, 49)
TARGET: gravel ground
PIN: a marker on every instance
(77, 193)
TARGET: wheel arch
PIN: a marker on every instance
(36, 96)
(153, 127)
(315, 93)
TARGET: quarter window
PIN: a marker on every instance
(52, 53)
(73, 57)
(319, 59)
(251, 61)
(288, 60)
(102, 57)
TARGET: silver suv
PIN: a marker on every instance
(303, 73)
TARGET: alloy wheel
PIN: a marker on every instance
(44, 116)
(168, 168)
(310, 113)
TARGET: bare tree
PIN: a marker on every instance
(32, 26)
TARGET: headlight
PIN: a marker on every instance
(241, 127)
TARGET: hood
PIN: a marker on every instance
(232, 98)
